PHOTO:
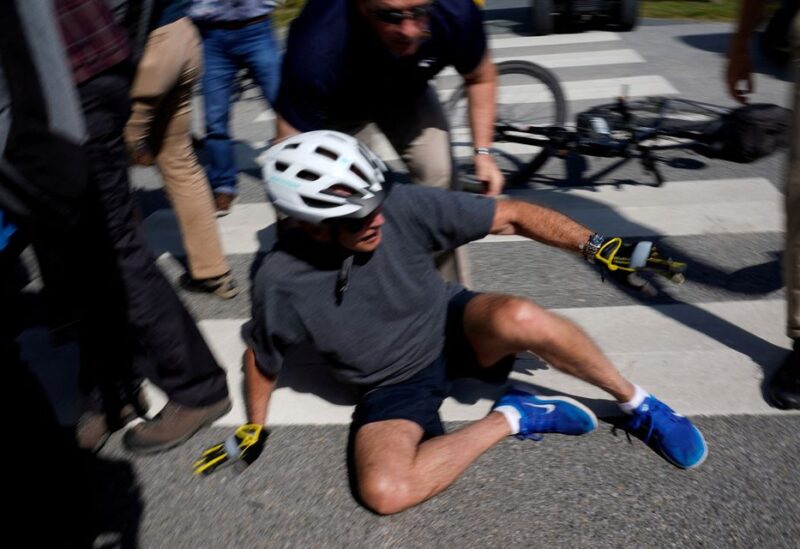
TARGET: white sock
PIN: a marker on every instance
(512, 416)
(636, 401)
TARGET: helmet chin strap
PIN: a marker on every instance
(343, 278)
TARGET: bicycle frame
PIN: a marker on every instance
(563, 140)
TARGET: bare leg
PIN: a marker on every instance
(395, 471)
(497, 325)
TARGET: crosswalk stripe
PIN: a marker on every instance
(579, 90)
(697, 376)
(497, 42)
(723, 206)
(608, 88)
(573, 59)
(574, 90)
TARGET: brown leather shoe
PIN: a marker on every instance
(93, 430)
(223, 203)
(224, 286)
(173, 425)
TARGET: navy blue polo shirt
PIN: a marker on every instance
(336, 70)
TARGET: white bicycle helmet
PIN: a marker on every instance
(324, 175)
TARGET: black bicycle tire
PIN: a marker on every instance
(541, 17)
(546, 77)
(627, 15)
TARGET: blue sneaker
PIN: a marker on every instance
(668, 433)
(552, 414)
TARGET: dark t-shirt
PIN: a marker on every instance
(336, 71)
(390, 322)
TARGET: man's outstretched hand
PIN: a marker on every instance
(240, 449)
(739, 74)
(487, 172)
(626, 260)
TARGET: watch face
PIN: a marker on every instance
(596, 240)
(593, 245)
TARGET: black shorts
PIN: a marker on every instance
(419, 397)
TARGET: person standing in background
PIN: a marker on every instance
(158, 132)
(130, 308)
(237, 34)
(784, 387)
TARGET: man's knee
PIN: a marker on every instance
(519, 320)
(384, 493)
(434, 173)
(429, 162)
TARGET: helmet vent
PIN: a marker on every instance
(281, 166)
(343, 191)
(315, 203)
(356, 170)
(290, 146)
(307, 175)
(326, 153)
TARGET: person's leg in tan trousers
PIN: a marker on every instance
(159, 131)
(420, 134)
(421, 137)
(784, 387)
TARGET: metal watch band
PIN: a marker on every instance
(483, 150)
(592, 246)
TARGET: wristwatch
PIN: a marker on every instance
(592, 246)
(483, 150)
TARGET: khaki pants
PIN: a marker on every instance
(419, 132)
(161, 117)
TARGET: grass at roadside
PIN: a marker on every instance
(287, 11)
(708, 10)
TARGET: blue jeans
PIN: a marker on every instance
(226, 51)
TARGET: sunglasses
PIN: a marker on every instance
(356, 225)
(396, 17)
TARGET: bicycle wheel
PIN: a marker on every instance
(528, 95)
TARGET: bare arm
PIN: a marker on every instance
(540, 224)
(258, 389)
(482, 94)
(738, 74)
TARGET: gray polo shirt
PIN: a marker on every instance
(390, 322)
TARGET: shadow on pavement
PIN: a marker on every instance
(757, 279)
(718, 43)
(700, 269)
(80, 499)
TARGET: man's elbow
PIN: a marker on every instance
(505, 217)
